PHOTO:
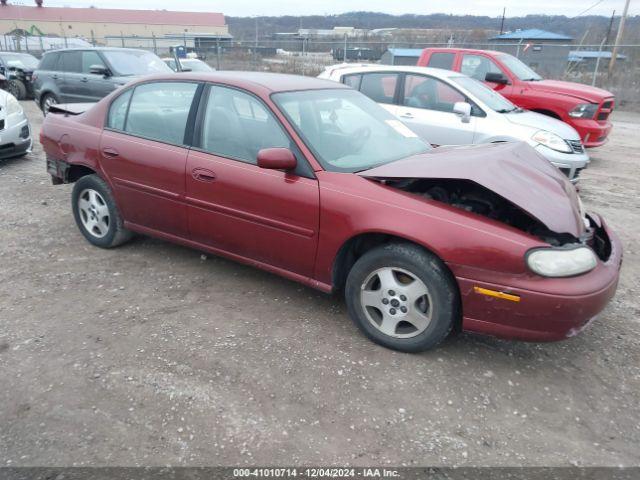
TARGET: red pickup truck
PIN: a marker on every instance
(585, 108)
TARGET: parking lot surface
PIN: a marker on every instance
(154, 354)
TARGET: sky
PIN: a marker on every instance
(246, 8)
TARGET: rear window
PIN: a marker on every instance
(442, 60)
(71, 62)
(158, 111)
(379, 87)
(49, 61)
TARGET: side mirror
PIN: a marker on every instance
(494, 77)
(463, 110)
(277, 159)
(99, 70)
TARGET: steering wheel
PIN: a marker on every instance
(359, 137)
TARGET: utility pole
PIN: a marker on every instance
(504, 10)
(608, 35)
(614, 53)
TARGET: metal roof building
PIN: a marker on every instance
(532, 34)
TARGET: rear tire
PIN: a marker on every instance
(17, 89)
(97, 214)
(402, 297)
(47, 101)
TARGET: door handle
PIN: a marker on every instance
(55, 77)
(84, 79)
(109, 152)
(203, 175)
(407, 115)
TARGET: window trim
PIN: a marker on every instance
(473, 104)
(304, 168)
(189, 127)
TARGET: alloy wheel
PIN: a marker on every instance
(396, 302)
(94, 213)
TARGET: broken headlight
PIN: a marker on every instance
(561, 262)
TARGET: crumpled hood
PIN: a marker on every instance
(515, 171)
(578, 90)
(543, 122)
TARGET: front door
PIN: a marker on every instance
(144, 155)
(426, 106)
(269, 216)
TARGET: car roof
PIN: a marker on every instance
(344, 69)
(271, 82)
(101, 49)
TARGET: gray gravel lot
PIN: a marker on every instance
(152, 354)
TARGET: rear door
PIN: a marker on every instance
(269, 216)
(70, 84)
(426, 106)
(143, 152)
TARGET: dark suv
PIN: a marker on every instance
(82, 75)
(17, 69)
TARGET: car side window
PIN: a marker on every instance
(430, 93)
(238, 125)
(442, 60)
(118, 111)
(379, 87)
(352, 80)
(160, 110)
(71, 62)
(477, 66)
(49, 62)
(89, 59)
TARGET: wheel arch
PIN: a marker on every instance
(356, 246)
(76, 171)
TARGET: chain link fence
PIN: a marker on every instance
(587, 64)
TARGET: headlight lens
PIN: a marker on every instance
(557, 262)
(552, 141)
(13, 106)
(584, 110)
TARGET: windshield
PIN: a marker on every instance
(135, 62)
(486, 95)
(196, 66)
(20, 60)
(519, 69)
(347, 131)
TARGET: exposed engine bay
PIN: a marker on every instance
(472, 197)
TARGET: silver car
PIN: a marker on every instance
(448, 108)
(15, 131)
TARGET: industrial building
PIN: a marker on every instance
(102, 25)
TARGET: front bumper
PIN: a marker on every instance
(15, 139)
(548, 309)
(593, 133)
(571, 164)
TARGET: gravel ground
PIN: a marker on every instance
(153, 354)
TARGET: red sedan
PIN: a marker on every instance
(315, 182)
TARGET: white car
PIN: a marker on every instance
(15, 131)
(448, 108)
(188, 65)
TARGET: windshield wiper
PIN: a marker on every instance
(507, 110)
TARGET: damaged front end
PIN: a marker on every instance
(509, 183)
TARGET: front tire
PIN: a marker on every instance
(17, 89)
(97, 214)
(402, 297)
